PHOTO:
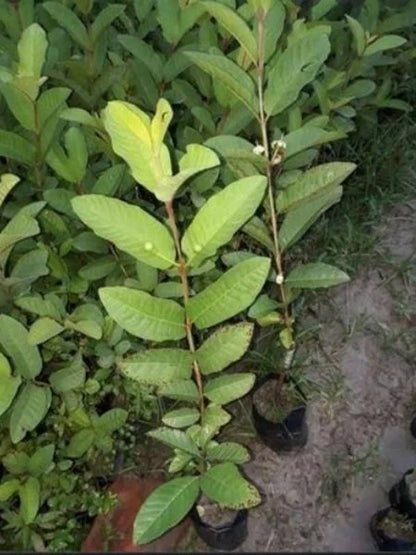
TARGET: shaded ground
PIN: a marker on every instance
(362, 366)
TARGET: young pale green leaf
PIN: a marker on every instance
(228, 452)
(232, 77)
(160, 124)
(29, 494)
(180, 390)
(90, 328)
(17, 148)
(387, 42)
(300, 219)
(78, 115)
(197, 158)
(129, 227)
(28, 410)
(67, 19)
(131, 137)
(42, 330)
(143, 315)
(221, 216)
(7, 182)
(8, 384)
(14, 340)
(214, 418)
(358, 33)
(69, 378)
(224, 484)
(313, 183)
(296, 67)
(235, 25)
(158, 366)
(80, 443)
(224, 346)
(111, 421)
(230, 294)
(181, 418)
(315, 275)
(8, 488)
(175, 439)
(31, 49)
(226, 389)
(41, 461)
(164, 508)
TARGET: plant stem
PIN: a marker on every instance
(183, 273)
(277, 255)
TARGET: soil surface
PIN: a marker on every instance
(362, 366)
(213, 515)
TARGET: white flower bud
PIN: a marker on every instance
(279, 279)
(259, 150)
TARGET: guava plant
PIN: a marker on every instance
(185, 373)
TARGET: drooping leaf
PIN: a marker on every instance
(165, 507)
(129, 227)
(224, 346)
(14, 340)
(42, 330)
(315, 275)
(221, 216)
(235, 25)
(230, 294)
(158, 366)
(224, 484)
(232, 77)
(181, 418)
(143, 315)
(28, 410)
(226, 389)
(313, 183)
(298, 64)
(228, 451)
(175, 439)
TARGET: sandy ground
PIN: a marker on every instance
(363, 364)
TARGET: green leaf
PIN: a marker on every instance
(69, 378)
(164, 508)
(28, 410)
(14, 339)
(143, 315)
(109, 181)
(228, 451)
(234, 291)
(258, 230)
(90, 328)
(29, 494)
(386, 42)
(80, 443)
(49, 103)
(224, 484)
(129, 227)
(226, 389)
(70, 165)
(314, 275)
(16, 462)
(8, 488)
(181, 390)
(313, 183)
(235, 25)
(32, 48)
(197, 158)
(17, 148)
(158, 366)
(169, 290)
(300, 219)
(181, 418)
(98, 268)
(104, 19)
(232, 77)
(111, 421)
(213, 418)
(42, 330)
(20, 104)
(41, 461)
(358, 33)
(298, 65)
(67, 19)
(8, 384)
(306, 137)
(221, 216)
(7, 182)
(224, 346)
(175, 439)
